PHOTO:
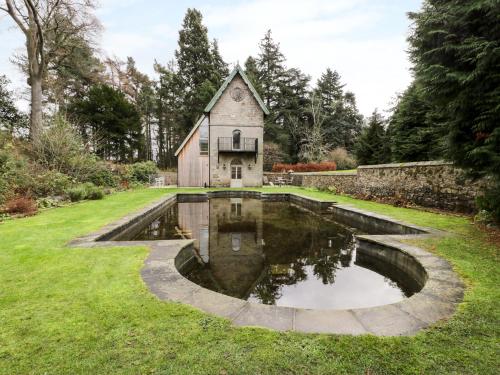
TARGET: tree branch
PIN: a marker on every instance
(10, 10)
(39, 49)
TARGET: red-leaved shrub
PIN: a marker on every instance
(21, 206)
(305, 167)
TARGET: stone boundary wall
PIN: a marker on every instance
(170, 177)
(435, 184)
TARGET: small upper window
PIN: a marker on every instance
(203, 146)
(204, 139)
(236, 139)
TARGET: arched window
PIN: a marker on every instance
(236, 140)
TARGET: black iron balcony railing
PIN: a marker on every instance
(226, 144)
(248, 145)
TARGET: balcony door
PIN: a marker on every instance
(236, 140)
(236, 177)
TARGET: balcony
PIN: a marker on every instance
(247, 145)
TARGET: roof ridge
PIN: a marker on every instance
(230, 77)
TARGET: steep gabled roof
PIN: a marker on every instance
(196, 126)
(228, 80)
(217, 96)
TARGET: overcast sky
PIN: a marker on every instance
(364, 40)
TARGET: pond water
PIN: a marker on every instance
(277, 253)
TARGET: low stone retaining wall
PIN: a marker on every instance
(169, 177)
(435, 184)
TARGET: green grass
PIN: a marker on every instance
(87, 311)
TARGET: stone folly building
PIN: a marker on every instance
(225, 146)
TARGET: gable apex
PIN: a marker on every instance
(236, 70)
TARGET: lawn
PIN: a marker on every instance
(87, 311)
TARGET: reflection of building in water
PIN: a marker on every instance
(234, 246)
(236, 254)
(193, 223)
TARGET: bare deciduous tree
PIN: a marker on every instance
(37, 19)
(311, 134)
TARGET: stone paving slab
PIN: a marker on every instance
(426, 308)
(275, 317)
(218, 304)
(443, 291)
(442, 288)
(388, 320)
(328, 321)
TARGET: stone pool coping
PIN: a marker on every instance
(438, 299)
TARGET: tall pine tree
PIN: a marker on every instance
(455, 46)
(342, 119)
(416, 130)
(201, 69)
(271, 71)
(373, 146)
(252, 73)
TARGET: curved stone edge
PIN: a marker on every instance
(437, 300)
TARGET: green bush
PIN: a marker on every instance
(49, 183)
(93, 192)
(15, 174)
(48, 203)
(141, 172)
(102, 175)
(76, 193)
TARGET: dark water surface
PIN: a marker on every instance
(277, 253)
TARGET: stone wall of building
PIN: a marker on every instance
(225, 117)
(433, 184)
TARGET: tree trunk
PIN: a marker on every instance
(36, 107)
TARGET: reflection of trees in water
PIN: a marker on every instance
(268, 290)
(294, 241)
(164, 227)
(324, 268)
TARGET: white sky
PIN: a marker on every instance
(364, 40)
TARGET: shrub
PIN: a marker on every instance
(48, 203)
(61, 148)
(16, 178)
(49, 183)
(305, 167)
(102, 175)
(21, 206)
(76, 193)
(342, 158)
(141, 172)
(93, 192)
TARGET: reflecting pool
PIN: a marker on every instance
(276, 253)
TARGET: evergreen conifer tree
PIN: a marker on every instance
(111, 121)
(201, 69)
(373, 146)
(416, 130)
(455, 49)
(342, 119)
(252, 73)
